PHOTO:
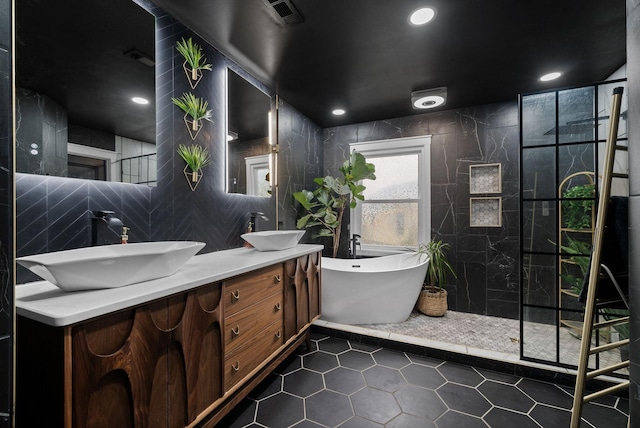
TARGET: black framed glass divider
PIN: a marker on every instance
(562, 137)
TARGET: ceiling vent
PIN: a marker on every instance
(284, 12)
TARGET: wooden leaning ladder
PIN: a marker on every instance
(589, 326)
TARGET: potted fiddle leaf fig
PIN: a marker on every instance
(194, 60)
(196, 157)
(326, 205)
(433, 297)
(196, 109)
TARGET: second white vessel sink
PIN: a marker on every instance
(273, 240)
(111, 266)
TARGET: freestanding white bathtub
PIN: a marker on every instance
(371, 291)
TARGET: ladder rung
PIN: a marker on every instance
(608, 346)
(619, 175)
(622, 148)
(608, 369)
(611, 390)
(609, 323)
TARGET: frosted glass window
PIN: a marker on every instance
(396, 178)
(394, 224)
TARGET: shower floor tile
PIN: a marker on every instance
(400, 389)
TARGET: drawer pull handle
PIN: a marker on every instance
(236, 331)
(278, 335)
(236, 368)
(278, 278)
(235, 296)
(278, 306)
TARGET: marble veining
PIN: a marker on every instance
(486, 283)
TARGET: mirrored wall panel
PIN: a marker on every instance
(248, 148)
(85, 85)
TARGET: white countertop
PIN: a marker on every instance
(44, 302)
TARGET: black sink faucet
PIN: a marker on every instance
(354, 244)
(104, 218)
(252, 220)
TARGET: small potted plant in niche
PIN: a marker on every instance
(196, 157)
(193, 107)
(194, 60)
(433, 297)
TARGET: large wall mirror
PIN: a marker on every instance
(79, 66)
(248, 143)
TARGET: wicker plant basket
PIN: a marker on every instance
(432, 301)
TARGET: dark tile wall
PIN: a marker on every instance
(633, 85)
(6, 218)
(486, 259)
(300, 160)
(53, 213)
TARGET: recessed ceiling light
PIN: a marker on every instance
(550, 76)
(422, 16)
(140, 100)
(339, 112)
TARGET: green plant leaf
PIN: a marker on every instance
(192, 54)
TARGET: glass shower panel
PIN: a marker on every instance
(538, 119)
(576, 115)
(539, 334)
(575, 158)
(605, 97)
(538, 177)
(539, 226)
(539, 280)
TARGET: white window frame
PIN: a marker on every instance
(398, 146)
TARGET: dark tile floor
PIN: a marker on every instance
(354, 385)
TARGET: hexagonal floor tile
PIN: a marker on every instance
(333, 345)
(328, 408)
(270, 412)
(393, 359)
(459, 373)
(289, 365)
(504, 418)
(320, 361)
(271, 385)
(384, 378)
(546, 393)
(426, 377)
(464, 399)
(506, 396)
(410, 421)
(375, 405)
(344, 380)
(425, 361)
(305, 424)
(358, 422)
(420, 402)
(603, 416)
(303, 383)
(453, 419)
(356, 360)
(548, 416)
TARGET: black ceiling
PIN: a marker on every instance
(363, 56)
(360, 55)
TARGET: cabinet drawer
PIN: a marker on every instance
(241, 327)
(244, 291)
(240, 363)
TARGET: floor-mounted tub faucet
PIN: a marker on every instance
(354, 244)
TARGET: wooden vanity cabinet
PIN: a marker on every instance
(184, 360)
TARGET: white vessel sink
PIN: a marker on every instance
(273, 240)
(111, 266)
